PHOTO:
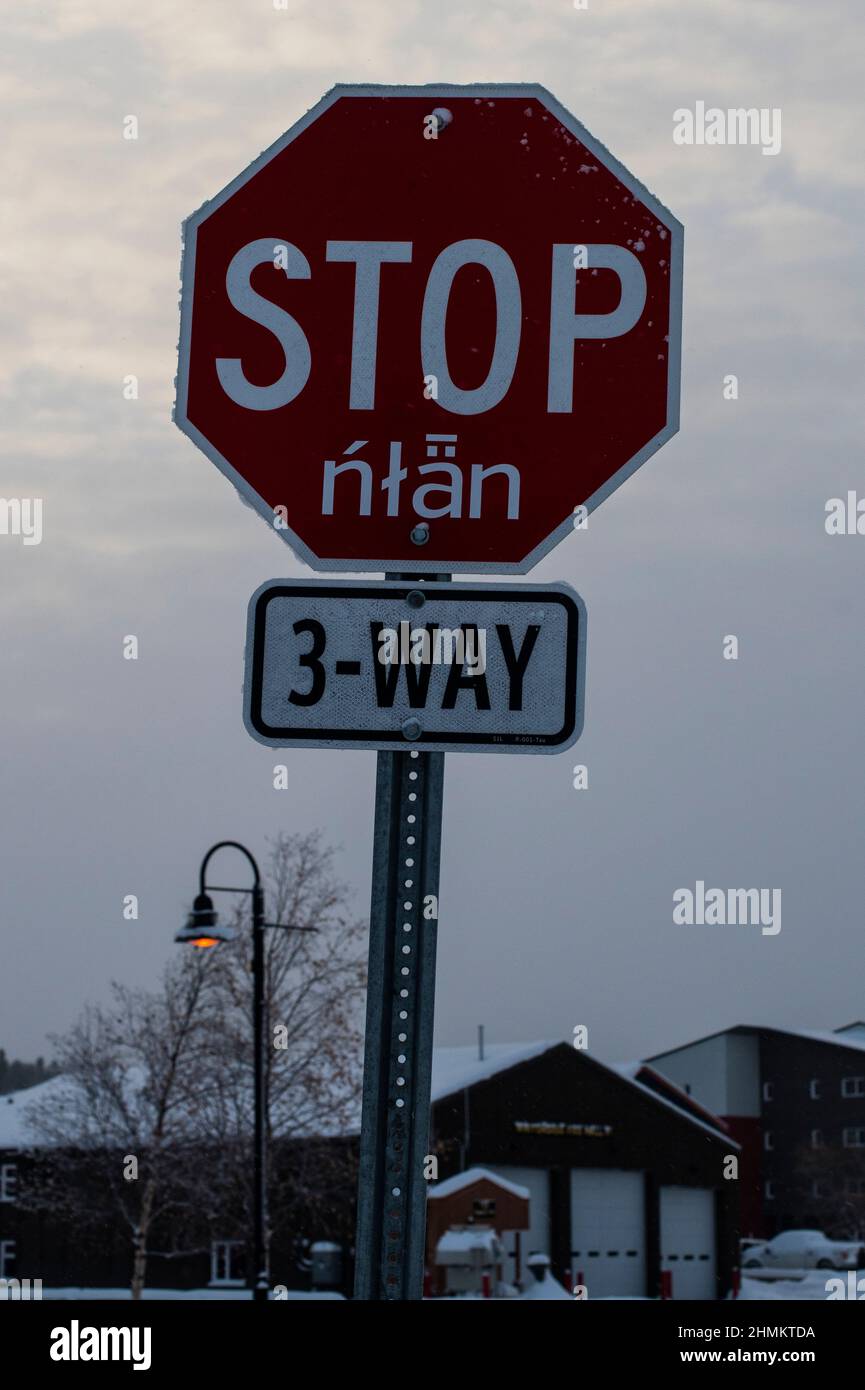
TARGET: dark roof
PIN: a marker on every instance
(823, 1036)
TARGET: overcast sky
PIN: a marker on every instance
(556, 904)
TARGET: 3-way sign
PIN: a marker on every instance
(469, 667)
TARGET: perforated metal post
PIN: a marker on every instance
(392, 1189)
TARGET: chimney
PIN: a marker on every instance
(480, 1042)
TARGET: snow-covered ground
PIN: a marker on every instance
(159, 1295)
(809, 1286)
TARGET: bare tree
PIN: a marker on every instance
(159, 1087)
(831, 1179)
(115, 1128)
(314, 993)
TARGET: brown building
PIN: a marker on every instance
(625, 1171)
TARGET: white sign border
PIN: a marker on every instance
(393, 744)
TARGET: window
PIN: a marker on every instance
(855, 1187)
(853, 1086)
(816, 1138)
(854, 1138)
(769, 1191)
(768, 1090)
(768, 1140)
(819, 1188)
(8, 1181)
(814, 1090)
(228, 1263)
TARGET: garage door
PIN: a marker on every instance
(537, 1237)
(688, 1240)
(608, 1231)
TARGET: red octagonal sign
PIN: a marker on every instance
(427, 325)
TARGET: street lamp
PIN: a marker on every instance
(203, 930)
(202, 925)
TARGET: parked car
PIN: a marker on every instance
(804, 1250)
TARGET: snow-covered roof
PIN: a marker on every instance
(17, 1133)
(824, 1035)
(842, 1037)
(455, 1068)
(473, 1175)
(856, 1026)
(14, 1131)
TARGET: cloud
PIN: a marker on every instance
(119, 773)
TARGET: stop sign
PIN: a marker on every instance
(427, 325)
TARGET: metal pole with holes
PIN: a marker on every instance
(392, 1189)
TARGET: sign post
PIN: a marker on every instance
(316, 671)
(392, 1188)
(425, 333)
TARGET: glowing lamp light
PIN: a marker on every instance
(202, 927)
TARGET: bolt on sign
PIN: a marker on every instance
(427, 325)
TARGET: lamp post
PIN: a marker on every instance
(203, 930)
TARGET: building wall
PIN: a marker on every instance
(759, 1081)
(97, 1253)
(789, 1065)
(722, 1073)
(744, 1078)
(748, 1133)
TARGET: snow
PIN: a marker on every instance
(545, 1290)
(825, 1036)
(466, 1242)
(858, 1028)
(175, 1295)
(455, 1068)
(807, 1288)
(851, 1036)
(14, 1129)
(473, 1175)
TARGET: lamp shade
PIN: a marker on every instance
(202, 927)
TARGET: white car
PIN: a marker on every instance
(804, 1250)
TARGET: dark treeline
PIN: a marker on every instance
(17, 1076)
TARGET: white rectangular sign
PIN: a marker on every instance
(400, 664)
